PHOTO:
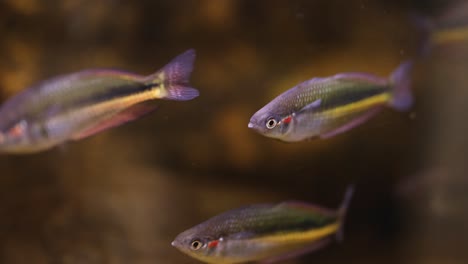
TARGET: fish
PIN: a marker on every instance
(264, 233)
(327, 106)
(456, 34)
(435, 32)
(75, 106)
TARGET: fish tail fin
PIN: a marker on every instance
(426, 28)
(343, 210)
(174, 78)
(400, 81)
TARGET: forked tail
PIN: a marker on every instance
(174, 78)
(400, 80)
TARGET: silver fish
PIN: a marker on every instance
(324, 107)
(264, 232)
(75, 106)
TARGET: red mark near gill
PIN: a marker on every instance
(287, 120)
(213, 243)
(17, 130)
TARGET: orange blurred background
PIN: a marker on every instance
(123, 195)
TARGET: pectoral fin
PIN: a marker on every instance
(118, 119)
(312, 106)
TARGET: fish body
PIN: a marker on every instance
(81, 104)
(324, 107)
(263, 232)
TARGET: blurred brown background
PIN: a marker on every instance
(123, 195)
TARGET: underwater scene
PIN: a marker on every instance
(233, 131)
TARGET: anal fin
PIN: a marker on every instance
(353, 123)
(122, 117)
(317, 245)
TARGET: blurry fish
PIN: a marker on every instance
(264, 232)
(78, 105)
(442, 36)
(324, 107)
(449, 27)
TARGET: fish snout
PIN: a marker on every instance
(253, 126)
(253, 123)
(177, 243)
(256, 124)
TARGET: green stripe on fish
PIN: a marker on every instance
(262, 232)
(324, 107)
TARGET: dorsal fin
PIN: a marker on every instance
(124, 116)
(362, 77)
(308, 207)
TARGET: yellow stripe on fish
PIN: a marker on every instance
(358, 106)
(264, 232)
(300, 236)
(325, 107)
(80, 104)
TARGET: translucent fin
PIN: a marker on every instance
(361, 77)
(242, 235)
(308, 207)
(314, 105)
(426, 28)
(175, 78)
(353, 123)
(302, 251)
(118, 119)
(400, 80)
(181, 93)
(342, 211)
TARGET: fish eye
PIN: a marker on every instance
(196, 245)
(271, 123)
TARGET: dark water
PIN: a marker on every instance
(123, 195)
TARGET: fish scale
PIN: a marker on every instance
(78, 105)
(263, 232)
(325, 107)
(265, 219)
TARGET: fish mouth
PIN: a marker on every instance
(254, 126)
(173, 243)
